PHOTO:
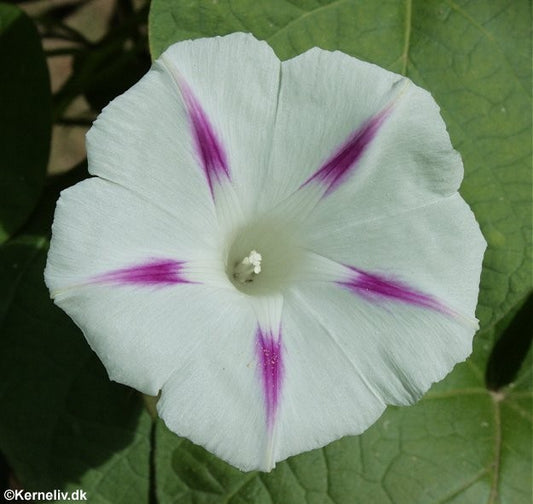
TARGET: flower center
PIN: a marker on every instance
(263, 256)
(246, 270)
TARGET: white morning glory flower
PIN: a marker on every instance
(277, 247)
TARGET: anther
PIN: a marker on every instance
(248, 268)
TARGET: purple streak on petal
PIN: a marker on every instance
(156, 272)
(271, 366)
(208, 147)
(339, 166)
(373, 286)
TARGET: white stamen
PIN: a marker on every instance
(249, 267)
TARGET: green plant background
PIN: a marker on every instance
(63, 424)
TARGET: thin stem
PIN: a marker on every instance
(407, 35)
(62, 51)
(74, 34)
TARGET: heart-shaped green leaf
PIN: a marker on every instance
(462, 443)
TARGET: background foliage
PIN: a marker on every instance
(63, 424)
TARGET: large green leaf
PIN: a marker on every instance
(63, 424)
(25, 118)
(462, 443)
(474, 57)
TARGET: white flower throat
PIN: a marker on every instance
(264, 256)
(246, 270)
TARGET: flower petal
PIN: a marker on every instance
(396, 323)
(339, 166)
(377, 286)
(325, 393)
(436, 250)
(362, 356)
(143, 141)
(144, 334)
(225, 396)
(235, 78)
(378, 134)
(159, 321)
(170, 137)
(270, 356)
(210, 151)
(104, 231)
(400, 349)
(125, 279)
(151, 272)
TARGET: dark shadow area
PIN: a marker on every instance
(511, 348)
(4, 474)
(25, 126)
(61, 415)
